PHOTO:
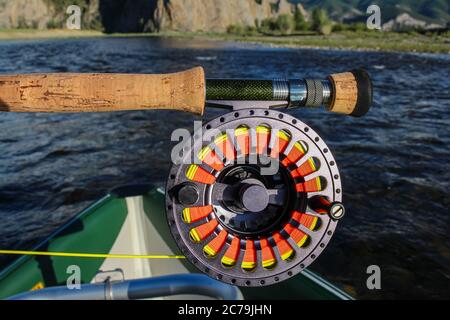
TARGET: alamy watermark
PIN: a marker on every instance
(191, 149)
(74, 279)
(373, 282)
(374, 20)
(73, 22)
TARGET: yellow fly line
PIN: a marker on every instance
(89, 255)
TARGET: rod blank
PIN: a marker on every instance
(348, 93)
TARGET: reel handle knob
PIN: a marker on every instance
(352, 93)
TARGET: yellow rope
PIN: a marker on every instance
(89, 255)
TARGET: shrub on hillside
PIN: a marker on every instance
(285, 23)
(320, 21)
(239, 30)
(299, 20)
(268, 25)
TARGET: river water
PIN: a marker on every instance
(394, 162)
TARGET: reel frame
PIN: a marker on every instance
(283, 269)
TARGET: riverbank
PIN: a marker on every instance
(32, 34)
(373, 41)
(368, 40)
(363, 40)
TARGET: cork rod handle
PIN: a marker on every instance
(90, 92)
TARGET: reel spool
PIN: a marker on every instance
(260, 202)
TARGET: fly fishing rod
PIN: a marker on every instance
(348, 93)
(233, 217)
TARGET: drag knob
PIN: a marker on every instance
(254, 197)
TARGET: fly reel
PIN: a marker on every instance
(255, 199)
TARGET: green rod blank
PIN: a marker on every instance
(237, 89)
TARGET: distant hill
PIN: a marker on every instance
(432, 12)
(143, 15)
(212, 15)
